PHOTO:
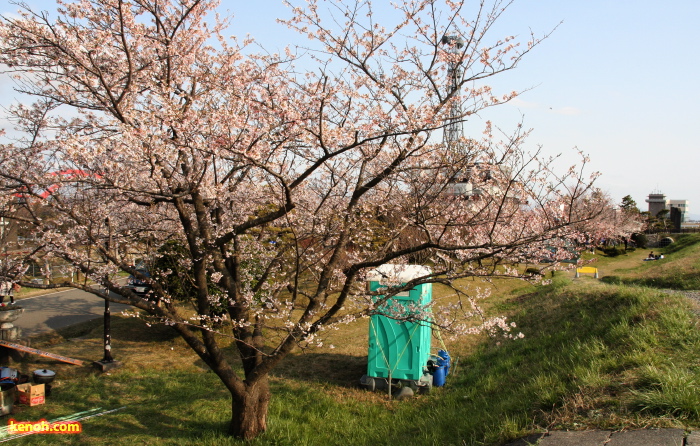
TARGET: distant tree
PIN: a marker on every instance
(629, 205)
(663, 221)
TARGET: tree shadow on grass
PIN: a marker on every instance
(679, 281)
(169, 408)
(337, 369)
(122, 329)
(329, 368)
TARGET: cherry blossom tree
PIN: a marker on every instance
(275, 181)
(612, 223)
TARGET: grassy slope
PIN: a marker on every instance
(680, 269)
(594, 355)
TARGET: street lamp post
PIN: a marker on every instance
(107, 334)
(107, 362)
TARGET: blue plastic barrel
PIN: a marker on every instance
(444, 361)
(439, 376)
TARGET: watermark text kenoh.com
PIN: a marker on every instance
(43, 427)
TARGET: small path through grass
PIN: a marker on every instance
(691, 294)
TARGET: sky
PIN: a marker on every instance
(617, 80)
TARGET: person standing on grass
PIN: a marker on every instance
(9, 283)
(7, 288)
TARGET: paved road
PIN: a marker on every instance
(638, 437)
(60, 309)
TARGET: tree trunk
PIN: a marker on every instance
(249, 414)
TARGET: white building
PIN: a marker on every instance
(682, 205)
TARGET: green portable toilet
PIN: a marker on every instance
(398, 348)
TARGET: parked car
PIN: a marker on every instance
(137, 285)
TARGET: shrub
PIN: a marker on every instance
(640, 240)
(533, 272)
(614, 251)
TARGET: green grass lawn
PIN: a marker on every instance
(595, 354)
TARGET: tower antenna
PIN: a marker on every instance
(453, 130)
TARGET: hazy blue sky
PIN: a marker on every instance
(618, 79)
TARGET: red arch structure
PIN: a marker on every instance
(68, 174)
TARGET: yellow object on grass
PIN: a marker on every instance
(587, 270)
